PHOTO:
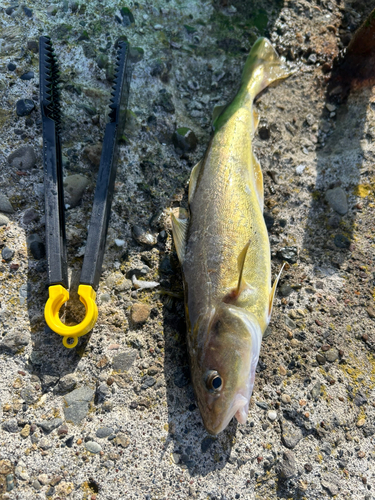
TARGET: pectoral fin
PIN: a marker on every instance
(241, 264)
(194, 179)
(272, 294)
(258, 178)
(179, 229)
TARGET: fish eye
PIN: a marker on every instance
(213, 381)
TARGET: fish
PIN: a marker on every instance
(223, 248)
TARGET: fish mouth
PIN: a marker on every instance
(238, 409)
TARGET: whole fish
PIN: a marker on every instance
(222, 244)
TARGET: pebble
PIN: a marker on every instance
(50, 425)
(272, 415)
(5, 205)
(124, 360)
(77, 404)
(320, 359)
(23, 158)
(37, 250)
(10, 425)
(44, 444)
(11, 66)
(104, 432)
(93, 447)
(3, 220)
(289, 254)
(27, 76)
(337, 200)
(341, 241)
(315, 391)
(330, 483)
(63, 430)
(332, 355)
(143, 237)
(300, 169)
(286, 399)
(74, 186)
(20, 473)
(7, 253)
(67, 383)
(185, 139)
(291, 435)
(122, 440)
(371, 312)
(30, 216)
(15, 341)
(361, 422)
(36, 485)
(43, 479)
(140, 313)
(25, 431)
(285, 290)
(64, 489)
(288, 467)
(24, 107)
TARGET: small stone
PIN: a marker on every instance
(7, 253)
(308, 467)
(67, 383)
(3, 220)
(11, 66)
(144, 237)
(27, 76)
(361, 422)
(24, 107)
(361, 454)
(77, 404)
(331, 483)
(25, 431)
(315, 391)
(272, 415)
(371, 312)
(20, 473)
(33, 46)
(44, 444)
(289, 254)
(64, 489)
(93, 447)
(300, 169)
(332, 355)
(294, 343)
(337, 199)
(140, 313)
(50, 425)
(14, 341)
(122, 440)
(124, 360)
(288, 467)
(36, 485)
(43, 479)
(23, 158)
(136, 54)
(285, 290)
(185, 139)
(30, 216)
(148, 382)
(5, 205)
(291, 435)
(10, 425)
(320, 359)
(93, 153)
(104, 432)
(286, 399)
(63, 430)
(74, 186)
(341, 241)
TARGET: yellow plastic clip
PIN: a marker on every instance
(58, 295)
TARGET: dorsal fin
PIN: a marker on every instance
(273, 292)
(241, 264)
(193, 179)
(179, 230)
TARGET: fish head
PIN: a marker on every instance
(223, 368)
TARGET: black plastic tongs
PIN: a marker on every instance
(54, 194)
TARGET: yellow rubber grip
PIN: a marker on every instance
(58, 295)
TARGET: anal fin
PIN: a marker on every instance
(179, 230)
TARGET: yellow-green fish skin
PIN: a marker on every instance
(225, 323)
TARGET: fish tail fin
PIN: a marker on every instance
(263, 66)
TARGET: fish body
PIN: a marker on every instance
(223, 247)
